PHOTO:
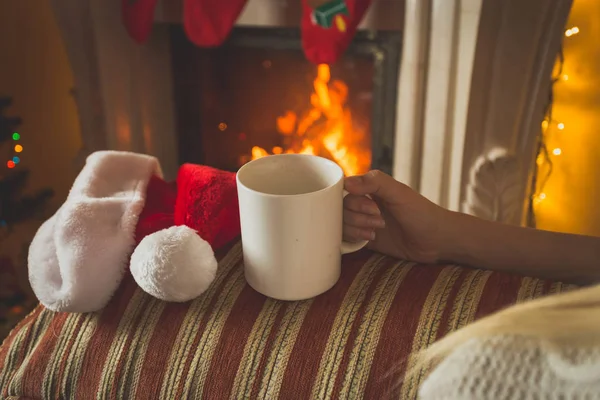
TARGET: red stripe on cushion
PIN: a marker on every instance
(397, 337)
(100, 342)
(268, 348)
(547, 286)
(33, 376)
(203, 324)
(354, 329)
(29, 320)
(229, 351)
(8, 341)
(129, 338)
(443, 331)
(63, 359)
(500, 292)
(303, 366)
(159, 350)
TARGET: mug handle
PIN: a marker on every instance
(348, 247)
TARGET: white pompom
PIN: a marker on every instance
(174, 264)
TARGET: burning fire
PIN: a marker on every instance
(326, 130)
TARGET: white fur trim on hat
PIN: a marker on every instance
(78, 257)
(174, 264)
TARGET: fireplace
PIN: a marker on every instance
(432, 116)
(258, 95)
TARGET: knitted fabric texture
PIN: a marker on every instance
(158, 212)
(207, 202)
(233, 343)
(515, 368)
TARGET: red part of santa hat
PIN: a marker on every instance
(207, 202)
(203, 198)
(158, 209)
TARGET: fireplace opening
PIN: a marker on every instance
(257, 95)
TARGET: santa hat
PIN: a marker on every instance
(78, 257)
(177, 263)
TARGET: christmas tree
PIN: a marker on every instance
(15, 208)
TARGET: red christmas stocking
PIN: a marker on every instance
(138, 17)
(209, 22)
(328, 27)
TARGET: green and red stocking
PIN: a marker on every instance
(328, 27)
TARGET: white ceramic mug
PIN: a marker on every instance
(291, 208)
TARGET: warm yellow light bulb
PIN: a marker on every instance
(544, 124)
(565, 77)
(557, 152)
(561, 126)
(18, 148)
(539, 198)
(572, 31)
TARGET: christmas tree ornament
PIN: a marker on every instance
(328, 27)
(208, 23)
(119, 201)
(138, 18)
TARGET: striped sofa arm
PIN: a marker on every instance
(354, 341)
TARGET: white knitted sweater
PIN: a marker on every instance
(514, 368)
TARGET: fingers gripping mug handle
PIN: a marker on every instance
(349, 247)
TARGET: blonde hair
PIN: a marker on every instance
(572, 317)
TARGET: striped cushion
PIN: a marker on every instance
(354, 341)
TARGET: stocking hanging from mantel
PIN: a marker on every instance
(206, 22)
(138, 18)
(209, 22)
(328, 27)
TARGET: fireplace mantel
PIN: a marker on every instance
(473, 79)
(382, 15)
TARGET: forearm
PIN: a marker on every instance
(490, 245)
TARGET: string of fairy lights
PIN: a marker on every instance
(17, 148)
(544, 164)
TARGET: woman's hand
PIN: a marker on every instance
(398, 221)
(402, 223)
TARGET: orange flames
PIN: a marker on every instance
(326, 130)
